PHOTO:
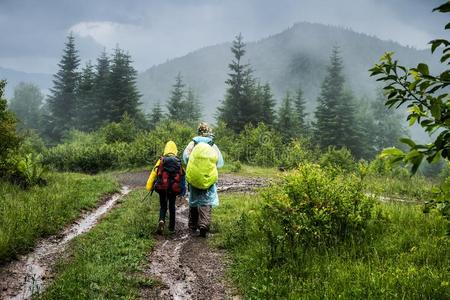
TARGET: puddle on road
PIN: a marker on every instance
(28, 275)
(166, 263)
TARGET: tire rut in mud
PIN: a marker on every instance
(186, 266)
(31, 273)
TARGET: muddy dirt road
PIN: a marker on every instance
(186, 266)
(184, 263)
(30, 274)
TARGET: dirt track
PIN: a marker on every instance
(30, 274)
(185, 264)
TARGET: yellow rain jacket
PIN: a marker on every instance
(170, 148)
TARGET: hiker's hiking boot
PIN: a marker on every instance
(160, 227)
(202, 232)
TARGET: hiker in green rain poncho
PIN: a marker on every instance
(202, 158)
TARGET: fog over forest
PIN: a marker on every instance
(154, 31)
(224, 149)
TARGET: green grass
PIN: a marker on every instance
(106, 262)
(404, 255)
(26, 215)
(247, 170)
(416, 188)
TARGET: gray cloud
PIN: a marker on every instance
(154, 31)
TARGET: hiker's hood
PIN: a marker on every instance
(170, 148)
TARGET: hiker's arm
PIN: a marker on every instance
(220, 161)
(152, 177)
(187, 152)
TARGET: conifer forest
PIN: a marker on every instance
(225, 149)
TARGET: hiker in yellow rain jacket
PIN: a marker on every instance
(168, 180)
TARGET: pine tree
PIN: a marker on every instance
(301, 114)
(86, 105)
(101, 91)
(287, 119)
(267, 104)
(326, 127)
(348, 128)
(123, 94)
(192, 107)
(26, 104)
(62, 101)
(336, 123)
(156, 116)
(387, 126)
(175, 105)
(240, 105)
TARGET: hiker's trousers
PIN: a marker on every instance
(164, 199)
(200, 217)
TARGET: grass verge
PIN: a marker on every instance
(26, 215)
(416, 188)
(404, 255)
(247, 170)
(106, 262)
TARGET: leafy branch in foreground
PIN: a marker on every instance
(426, 97)
(428, 102)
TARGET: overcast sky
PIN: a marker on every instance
(33, 32)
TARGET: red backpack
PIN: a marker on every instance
(169, 175)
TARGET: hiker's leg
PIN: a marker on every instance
(162, 206)
(204, 218)
(193, 218)
(172, 212)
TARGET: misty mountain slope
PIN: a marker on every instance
(13, 77)
(296, 56)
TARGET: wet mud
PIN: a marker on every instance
(30, 274)
(184, 264)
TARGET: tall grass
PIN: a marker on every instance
(416, 188)
(106, 262)
(404, 255)
(26, 215)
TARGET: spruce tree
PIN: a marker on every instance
(101, 91)
(387, 128)
(266, 104)
(348, 128)
(287, 119)
(62, 100)
(192, 107)
(86, 104)
(301, 114)
(26, 104)
(176, 105)
(123, 94)
(239, 106)
(336, 123)
(326, 126)
(156, 116)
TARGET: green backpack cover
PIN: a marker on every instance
(201, 170)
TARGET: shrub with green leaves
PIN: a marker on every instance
(259, 146)
(298, 151)
(123, 131)
(310, 207)
(108, 149)
(338, 158)
(28, 170)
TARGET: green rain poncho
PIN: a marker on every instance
(201, 170)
